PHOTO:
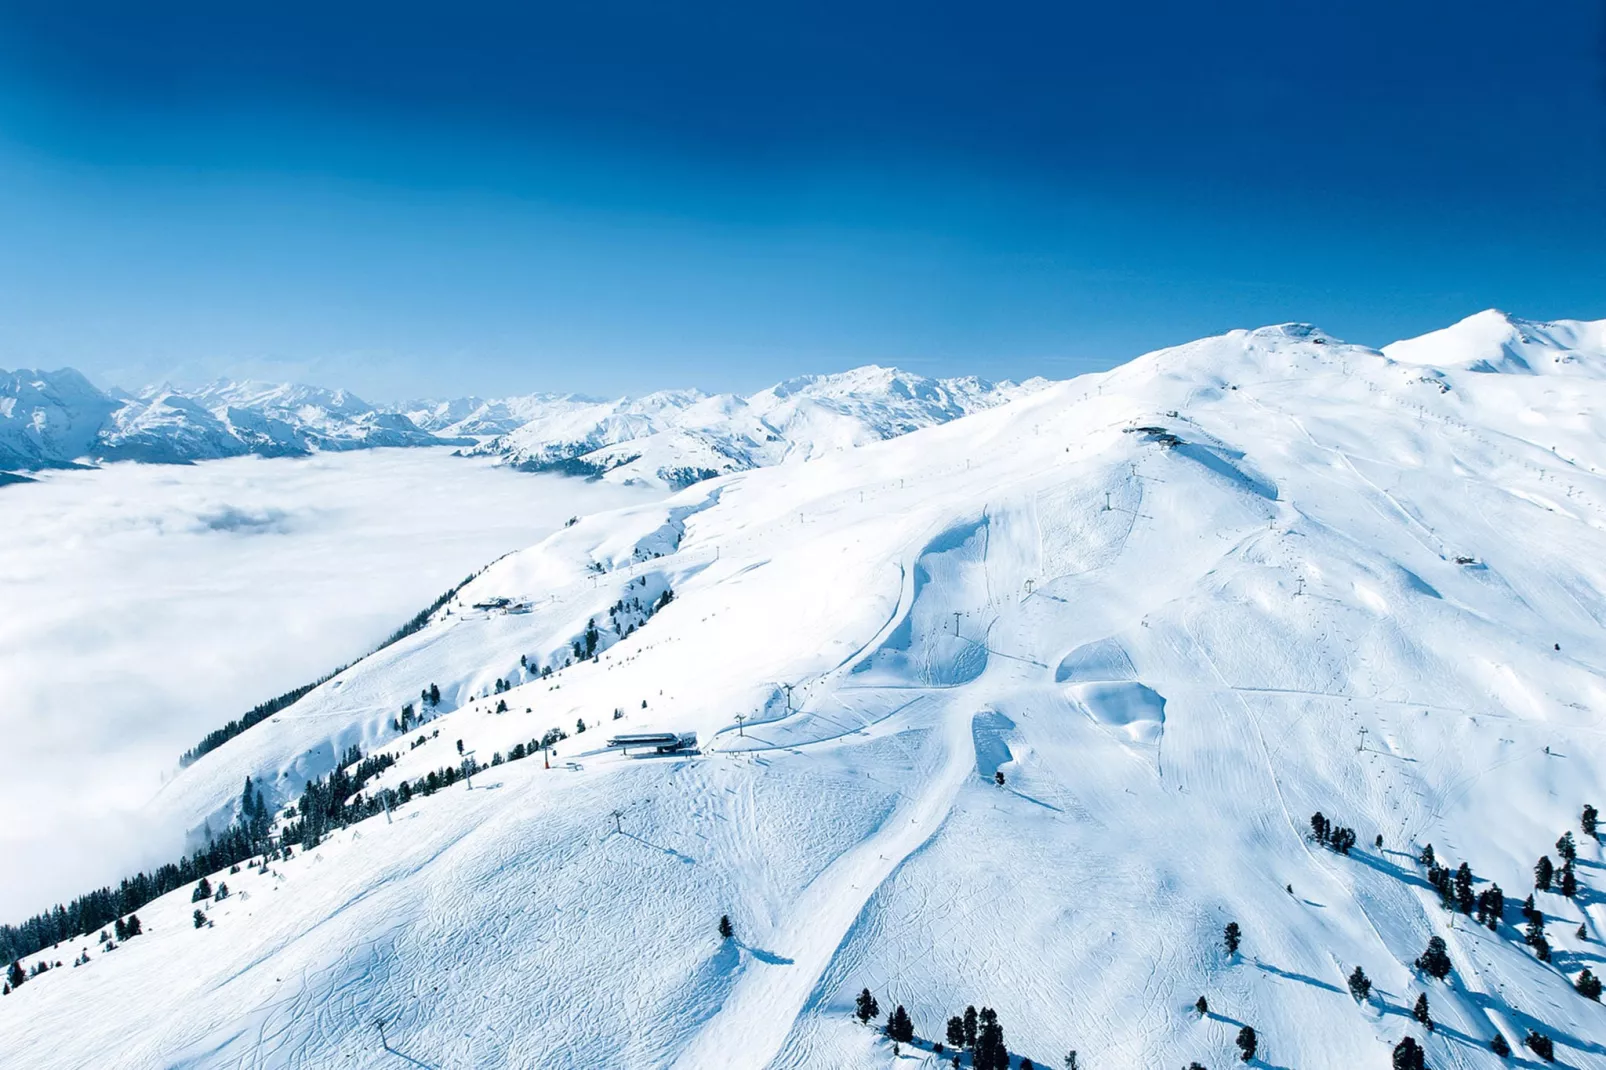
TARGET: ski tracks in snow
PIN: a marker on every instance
(755, 1020)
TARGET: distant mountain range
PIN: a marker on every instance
(672, 438)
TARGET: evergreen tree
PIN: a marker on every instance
(990, 1054)
(434, 695)
(134, 926)
(1248, 1043)
(1541, 1045)
(1071, 1062)
(1408, 1055)
(1232, 935)
(1427, 855)
(899, 1027)
(203, 890)
(725, 930)
(121, 928)
(970, 1028)
(1566, 848)
(1589, 820)
(1500, 1046)
(1491, 905)
(1543, 871)
(1202, 1006)
(1463, 888)
(865, 1007)
(1420, 1011)
(956, 1031)
(998, 777)
(16, 975)
(1536, 929)
(200, 919)
(1360, 986)
(1528, 910)
(1435, 961)
(222, 891)
(1588, 986)
(1319, 827)
(1569, 881)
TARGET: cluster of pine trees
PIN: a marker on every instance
(95, 910)
(1334, 837)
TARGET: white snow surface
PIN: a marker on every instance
(1322, 579)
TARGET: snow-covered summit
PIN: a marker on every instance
(1492, 341)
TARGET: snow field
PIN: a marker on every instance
(1338, 586)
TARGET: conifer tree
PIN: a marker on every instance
(1569, 881)
(1420, 1011)
(1435, 961)
(1427, 856)
(1232, 936)
(725, 929)
(865, 1007)
(1589, 820)
(1319, 826)
(956, 1031)
(199, 918)
(134, 928)
(899, 1027)
(1566, 848)
(1071, 1062)
(1202, 1006)
(222, 891)
(16, 975)
(1541, 1045)
(203, 890)
(1248, 1043)
(1588, 986)
(1500, 1046)
(1463, 888)
(990, 1052)
(1536, 929)
(1543, 871)
(121, 929)
(1360, 986)
(970, 1027)
(1408, 1055)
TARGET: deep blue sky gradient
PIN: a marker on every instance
(624, 196)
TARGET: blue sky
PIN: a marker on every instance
(615, 197)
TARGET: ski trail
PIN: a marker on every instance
(757, 1016)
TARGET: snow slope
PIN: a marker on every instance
(1179, 606)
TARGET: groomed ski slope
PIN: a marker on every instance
(1328, 580)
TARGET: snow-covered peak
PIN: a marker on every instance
(1493, 341)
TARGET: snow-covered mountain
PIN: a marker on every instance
(52, 419)
(671, 438)
(1019, 711)
(676, 438)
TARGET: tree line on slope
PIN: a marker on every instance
(261, 712)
